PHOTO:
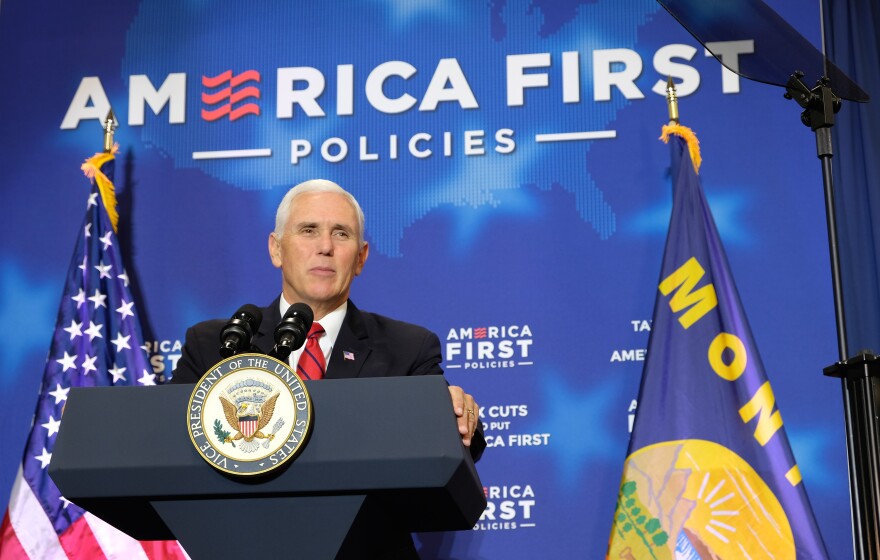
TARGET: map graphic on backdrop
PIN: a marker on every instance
(532, 253)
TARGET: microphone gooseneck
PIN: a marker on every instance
(291, 332)
(236, 336)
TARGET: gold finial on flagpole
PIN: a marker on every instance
(110, 124)
(672, 101)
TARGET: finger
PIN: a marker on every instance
(465, 411)
(458, 400)
(473, 415)
(470, 419)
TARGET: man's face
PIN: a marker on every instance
(319, 254)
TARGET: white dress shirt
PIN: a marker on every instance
(331, 322)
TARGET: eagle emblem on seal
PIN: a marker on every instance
(248, 419)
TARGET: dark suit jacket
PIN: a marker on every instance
(381, 347)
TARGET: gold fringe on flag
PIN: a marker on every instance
(689, 137)
(92, 170)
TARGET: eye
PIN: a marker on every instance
(341, 233)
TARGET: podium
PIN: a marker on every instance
(384, 458)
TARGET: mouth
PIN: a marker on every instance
(322, 271)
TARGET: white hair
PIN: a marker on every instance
(311, 186)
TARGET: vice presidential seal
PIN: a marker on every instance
(249, 415)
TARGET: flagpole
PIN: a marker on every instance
(672, 101)
(110, 124)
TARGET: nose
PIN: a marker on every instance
(325, 243)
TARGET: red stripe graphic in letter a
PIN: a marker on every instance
(230, 100)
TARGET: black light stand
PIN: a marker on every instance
(859, 376)
(859, 373)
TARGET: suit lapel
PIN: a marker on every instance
(352, 346)
(264, 339)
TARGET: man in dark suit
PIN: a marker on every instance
(319, 245)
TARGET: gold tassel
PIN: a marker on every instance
(92, 170)
(689, 137)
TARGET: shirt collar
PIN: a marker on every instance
(332, 322)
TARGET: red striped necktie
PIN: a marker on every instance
(311, 363)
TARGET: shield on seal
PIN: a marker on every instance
(248, 425)
(248, 418)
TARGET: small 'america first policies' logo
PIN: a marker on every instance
(249, 415)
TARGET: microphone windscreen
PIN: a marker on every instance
(302, 310)
(250, 313)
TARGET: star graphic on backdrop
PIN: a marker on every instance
(98, 299)
(94, 330)
(93, 200)
(79, 298)
(75, 329)
(103, 270)
(67, 362)
(121, 342)
(117, 373)
(125, 310)
(84, 264)
(89, 364)
(106, 240)
(124, 277)
(52, 425)
(569, 413)
(65, 501)
(88, 230)
(44, 458)
(147, 378)
(813, 446)
(32, 306)
(59, 393)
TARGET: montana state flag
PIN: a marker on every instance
(709, 473)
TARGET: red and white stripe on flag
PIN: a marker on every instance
(27, 534)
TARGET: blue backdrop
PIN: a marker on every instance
(535, 259)
(854, 43)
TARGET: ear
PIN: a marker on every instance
(362, 258)
(275, 250)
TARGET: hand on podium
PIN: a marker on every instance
(467, 411)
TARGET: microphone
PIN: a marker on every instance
(239, 330)
(291, 332)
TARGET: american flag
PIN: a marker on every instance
(97, 343)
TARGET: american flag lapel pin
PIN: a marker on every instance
(348, 355)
